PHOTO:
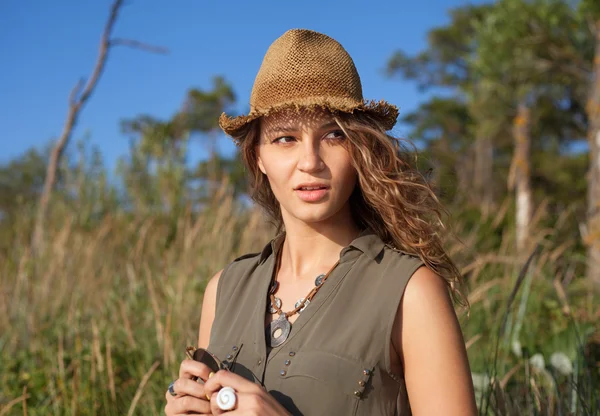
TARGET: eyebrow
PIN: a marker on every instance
(293, 130)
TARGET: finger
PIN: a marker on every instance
(191, 368)
(244, 403)
(170, 409)
(230, 379)
(186, 404)
(170, 398)
(186, 386)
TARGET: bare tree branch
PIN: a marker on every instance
(102, 55)
(77, 99)
(139, 45)
(75, 91)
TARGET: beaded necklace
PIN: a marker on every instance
(282, 323)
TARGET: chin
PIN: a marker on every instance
(313, 213)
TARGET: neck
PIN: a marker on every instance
(313, 248)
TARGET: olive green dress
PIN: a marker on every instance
(336, 360)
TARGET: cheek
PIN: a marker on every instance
(275, 168)
(346, 173)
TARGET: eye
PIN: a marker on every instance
(336, 135)
(283, 139)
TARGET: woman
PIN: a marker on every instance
(347, 311)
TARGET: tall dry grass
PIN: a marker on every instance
(98, 322)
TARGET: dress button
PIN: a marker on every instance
(259, 362)
(229, 356)
(283, 372)
(366, 372)
(287, 362)
(292, 353)
(235, 348)
(357, 393)
(361, 383)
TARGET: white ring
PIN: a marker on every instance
(226, 398)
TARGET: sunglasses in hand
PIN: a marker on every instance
(207, 358)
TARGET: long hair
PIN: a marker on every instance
(392, 197)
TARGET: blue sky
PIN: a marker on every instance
(46, 46)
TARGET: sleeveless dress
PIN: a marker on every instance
(336, 360)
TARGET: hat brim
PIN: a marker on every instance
(382, 111)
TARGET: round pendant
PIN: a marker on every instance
(300, 303)
(279, 324)
(319, 280)
(272, 307)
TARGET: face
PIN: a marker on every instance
(304, 156)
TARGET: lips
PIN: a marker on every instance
(311, 187)
(311, 192)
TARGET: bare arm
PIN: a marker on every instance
(433, 353)
(190, 396)
(209, 304)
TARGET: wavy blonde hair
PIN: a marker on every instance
(391, 197)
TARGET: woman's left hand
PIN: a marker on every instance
(252, 398)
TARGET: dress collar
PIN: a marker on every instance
(367, 242)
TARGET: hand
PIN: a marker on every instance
(190, 393)
(252, 398)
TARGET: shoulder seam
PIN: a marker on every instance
(245, 256)
(401, 251)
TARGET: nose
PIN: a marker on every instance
(310, 156)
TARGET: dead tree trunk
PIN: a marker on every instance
(77, 100)
(593, 202)
(522, 176)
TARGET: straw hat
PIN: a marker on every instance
(307, 69)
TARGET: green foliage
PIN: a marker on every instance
(446, 61)
(21, 180)
(201, 109)
(590, 10)
(219, 169)
(494, 57)
(157, 176)
(518, 42)
(442, 127)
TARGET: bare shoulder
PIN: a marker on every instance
(210, 293)
(425, 284)
(432, 349)
(209, 304)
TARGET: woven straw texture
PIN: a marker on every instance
(307, 69)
